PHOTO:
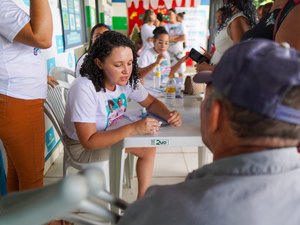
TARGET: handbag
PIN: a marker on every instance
(192, 88)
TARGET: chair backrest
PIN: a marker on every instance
(56, 101)
(58, 200)
(54, 108)
(63, 74)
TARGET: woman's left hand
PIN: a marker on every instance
(175, 119)
(203, 67)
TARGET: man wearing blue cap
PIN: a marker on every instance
(250, 120)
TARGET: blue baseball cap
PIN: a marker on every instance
(256, 75)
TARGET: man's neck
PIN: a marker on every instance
(254, 145)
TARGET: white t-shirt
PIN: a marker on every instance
(148, 57)
(23, 71)
(174, 30)
(79, 64)
(86, 105)
(147, 32)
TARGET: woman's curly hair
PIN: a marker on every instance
(101, 49)
(245, 6)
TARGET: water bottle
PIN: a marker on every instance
(157, 76)
(178, 85)
(171, 92)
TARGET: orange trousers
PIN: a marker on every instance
(22, 131)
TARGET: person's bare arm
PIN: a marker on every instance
(38, 31)
(177, 38)
(289, 31)
(156, 107)
(237, 28)
(148, 69)
(91, 139)
(175, 67)
(200, 67)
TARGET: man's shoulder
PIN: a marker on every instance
(158, 206)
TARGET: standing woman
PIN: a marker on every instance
(147, 29)
(239, 16)
(177, 37)
(110, 72)
(23, 89)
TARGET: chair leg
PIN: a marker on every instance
(131, 165)
(65, 166)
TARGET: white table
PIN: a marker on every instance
(186, 135)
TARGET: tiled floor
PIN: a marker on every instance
(184, 160)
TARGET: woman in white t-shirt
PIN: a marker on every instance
(147, 29)
(23, 89)
(96, 31)
(110, 72)
(158, 55)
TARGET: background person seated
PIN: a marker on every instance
(96, 31)
(158, 55)
(251, 122)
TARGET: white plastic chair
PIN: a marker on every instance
(55, 110)
(85, 190)
(63, 74)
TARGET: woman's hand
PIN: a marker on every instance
(183, 59)
(160, 58)
(147, 126)
(175, 119)
(52, 81)
(206, 53)
(203, 67)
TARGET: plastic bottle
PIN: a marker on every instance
(157, 76)
(144, 112)
(171, 92)
(178, 85)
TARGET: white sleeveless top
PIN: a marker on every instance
(223, 40)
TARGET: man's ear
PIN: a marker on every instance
(98, 63)
(215, 116)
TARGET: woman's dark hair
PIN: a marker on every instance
(224, 13)
(158, 31)
(98, 25)
(245, 6)
(160, 17)
(101, 49)
(111, 102)
(181, 14)
(147, 16)
(172, 10)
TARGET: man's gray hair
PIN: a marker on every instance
(248, 124)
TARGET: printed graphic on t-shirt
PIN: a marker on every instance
(116, 107)
(175, 30)
(165, 68)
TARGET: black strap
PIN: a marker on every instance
(283, 13)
